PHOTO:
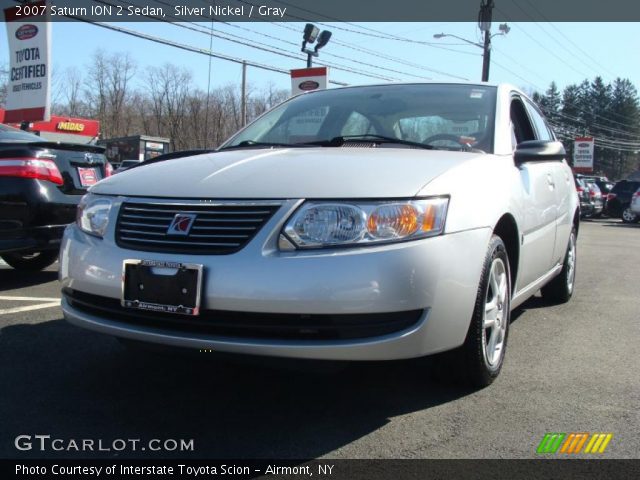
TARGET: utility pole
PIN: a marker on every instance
(484, 22)
(243, 105)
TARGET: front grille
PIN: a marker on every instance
(248, 325)
(218, 228)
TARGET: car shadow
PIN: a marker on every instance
(11, 279)
(533, 303)
(71, 383)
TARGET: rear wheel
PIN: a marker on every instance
(560, 289)
(629, 216)
(30, 261)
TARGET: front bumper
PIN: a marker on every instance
(436, 276)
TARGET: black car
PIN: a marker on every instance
(619, 200)
(41, 184)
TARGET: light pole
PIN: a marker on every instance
(311, 33)
(486, 46)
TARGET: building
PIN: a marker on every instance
(64, 129)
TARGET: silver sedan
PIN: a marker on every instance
(361, 223)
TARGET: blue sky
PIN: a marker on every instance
(531, 55)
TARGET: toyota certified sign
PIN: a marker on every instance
(583, 155)
(308, 79)
(29, 86)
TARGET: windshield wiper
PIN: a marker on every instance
(341, 140)
(251, 144)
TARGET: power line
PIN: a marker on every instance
(551, 52)
(273, 50)
(382, 55)
(188, 48)
(587, 55)
(380, 35)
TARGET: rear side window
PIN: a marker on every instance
(9, 134)
(626, 187)
(540, 124)
(522, 130)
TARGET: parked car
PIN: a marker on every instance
(595, 197)
(619, 201)
(635, 203)
(603, 183)
(41, 184)
(586, 205)
(126, 164)
(363, 223)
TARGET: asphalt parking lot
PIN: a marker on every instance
(569, 368)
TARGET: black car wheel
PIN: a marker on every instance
(629, 216)
(31, 261)
(480, 359)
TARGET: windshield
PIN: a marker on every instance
(451, 117)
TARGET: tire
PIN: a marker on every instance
(479, 361)
(629, 216)
(560, 289)
(31, 262)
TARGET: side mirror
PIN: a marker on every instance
(539, 151)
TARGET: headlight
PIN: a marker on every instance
(93, 214)
(320, 224)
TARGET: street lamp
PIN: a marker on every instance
(503, 30)
(310, 35)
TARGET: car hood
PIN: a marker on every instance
(288, 173)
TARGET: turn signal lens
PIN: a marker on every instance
(393, 221)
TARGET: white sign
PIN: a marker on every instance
(308, 79)
(29, 88)
(583, 154)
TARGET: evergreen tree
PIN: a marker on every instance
(550, 103)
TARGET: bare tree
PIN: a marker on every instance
(108, 90)
(168, 87)
(166, 105)
(73, 92)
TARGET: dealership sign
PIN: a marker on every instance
(308, 79)
(583, 154)
(28, 91)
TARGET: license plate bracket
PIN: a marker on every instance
(160, 286)
(88, 176)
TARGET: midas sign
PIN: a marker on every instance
(70, 126)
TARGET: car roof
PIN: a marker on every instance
(499, 85)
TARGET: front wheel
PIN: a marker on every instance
(31, 262)
(560, 289)
(480, 359)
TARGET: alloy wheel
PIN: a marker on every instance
(496, 313)
(571, 262)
